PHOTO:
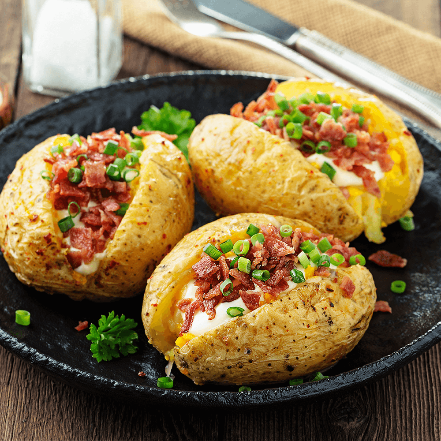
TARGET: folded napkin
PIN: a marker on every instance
(414, 54)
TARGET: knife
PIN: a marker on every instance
(328, 53)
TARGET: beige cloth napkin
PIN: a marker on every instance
(414, 54)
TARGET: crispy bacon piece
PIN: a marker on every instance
(183, 304)
(243, 278)
(388, 260)
(382, 306)
(82, 325)
(140, 132)
(205, 267)
(347, 286)
(189, 316)
(250, 299)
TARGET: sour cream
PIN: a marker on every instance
(346, 178)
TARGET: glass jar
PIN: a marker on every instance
(71, 45)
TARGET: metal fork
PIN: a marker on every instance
(186, 15)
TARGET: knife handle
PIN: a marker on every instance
(369, 74)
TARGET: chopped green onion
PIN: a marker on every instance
(361, 121)
(78, 210)
(319, 376)
(337, 259)
(226, 246)
(82, 168)
(328, 169)
(131, 159)
(233, 262)
(66, 224)
(398, 286)
(263, 275)
(306, 98)
(49, 175)
(244, 389)
(336, 110)
(323, 97)
(407, 223)
(307, 246)
(281, 101)
(235, 311)
(241, 247)
(57, 149)
(226, 292)
(323, 147)
(314, 255)
(324, 260)
(297, 276)
(111, 148)
(74, 175)
(350, 140)
(353, 260)
(260, 121)
(284, 121)
(322, 117)
(138, 153)
(307, 146)
(22, 317)
(298, 117)
(278, 112)
(295, 381)
(252, 230)
(293, 103)
(324, 245)
(212, 251)
(357, 108)
(82, 156)
(259, 237)
(137, 144)
(244, 265)
(303, 259)
(271, 113)
(113, 172)
(294, 130)
(123, 207)
(120, 163)
(129, 174)
(285, 230)
(73, 138)
(165, 382)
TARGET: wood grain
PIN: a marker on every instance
(405, 405)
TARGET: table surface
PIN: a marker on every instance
(405, 405)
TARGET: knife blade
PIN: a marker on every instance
(328, 53)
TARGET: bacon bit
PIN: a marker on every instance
(406, 132)
(183, 304)
(33, 218)
(388, 260)
(48, 238)
(250, 299)
(382, 306)
(141, 374)
(347, 286)
(82, 325)
(39, 252)
(205, 267)
(189, 316)
(139, 132)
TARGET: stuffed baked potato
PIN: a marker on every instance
(91, 218)
(310, 150)
(290, 303)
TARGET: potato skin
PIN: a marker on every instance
(239, 168)
(160, 214)
(305, 330)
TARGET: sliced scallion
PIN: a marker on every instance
(235, 311)
(111, 148)
(306, 98)
(357, 108)
(120, 163)
(226, 287)
(323, 147)
(137, 144)
(123, 207)
(357, 259)
(323, 97)
(336, 110)
(303, 259)
(226, 246)
(298, 117)
(297, 276)
(324, 245)
(74, 175)
(131, 159)
(337, 259)
(129, 174)
(244, 265)
(307, 246)
(47, 175)
(113, 172)
(294, 130)
(244, 389)
(259, 237)
(73, 138)
(212, 251)
(350, 140)
(407, 223)
(263, 275)
(252, 230)
(76, 213)
(285, 230)
(295, 381)
(398, 286)
(22, 317)
(281, 101)
(66, 224)
(314, 255)
(322, 117)
(308, 146)
(165, 382)
(57, 149)
(241, 247)
(361, 121)
(328, 169)
(319, 376)
(233, 262)
(324, 260)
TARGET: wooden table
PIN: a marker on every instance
(406, 405)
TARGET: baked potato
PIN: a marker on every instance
(292, 301)
(91, 218)
(310, 150)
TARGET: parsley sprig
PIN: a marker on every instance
(170, 120)
(113, 336)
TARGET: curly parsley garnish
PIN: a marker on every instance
(170, 120)
(113, 336)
